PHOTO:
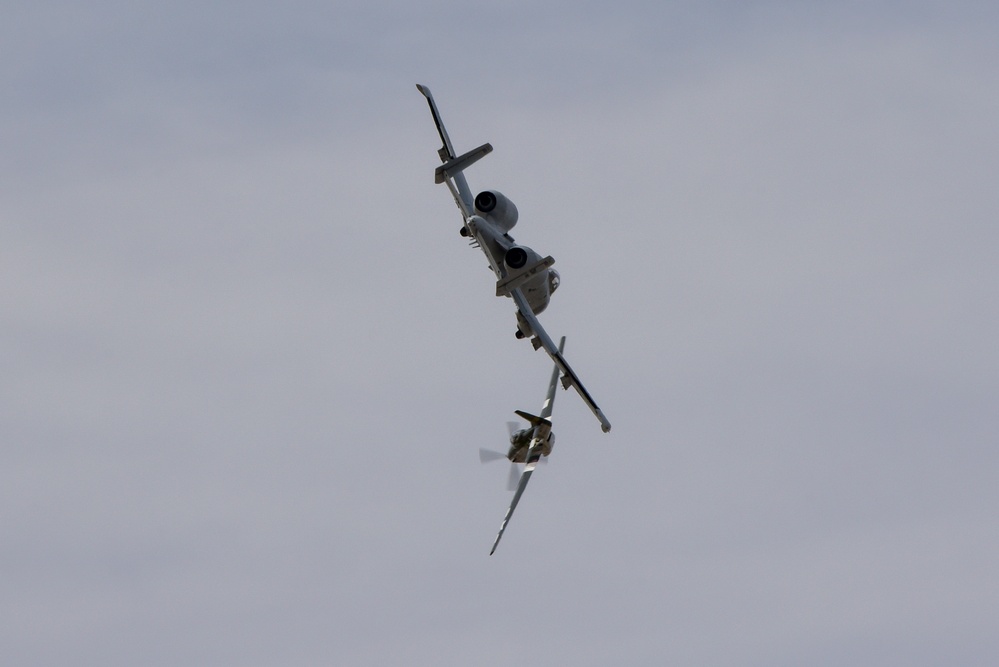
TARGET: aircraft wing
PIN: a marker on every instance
(450, 170)
(546, 408)
(569, 377)
(524, 478)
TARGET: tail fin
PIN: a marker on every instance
(454, 166)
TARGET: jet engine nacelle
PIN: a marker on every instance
(497, 209)
(519, 256)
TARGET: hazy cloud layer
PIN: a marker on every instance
(248, 360)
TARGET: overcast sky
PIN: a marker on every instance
(247, 360)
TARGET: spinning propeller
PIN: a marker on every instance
(490, 455)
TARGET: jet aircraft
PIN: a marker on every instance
(521, 273)
(527, 445)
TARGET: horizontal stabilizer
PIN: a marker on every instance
(534, 421)
(456, 165)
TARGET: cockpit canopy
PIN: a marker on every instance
(553, 280)
(521, 438)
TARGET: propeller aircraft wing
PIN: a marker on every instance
(525, 477)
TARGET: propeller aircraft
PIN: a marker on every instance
(528, 446)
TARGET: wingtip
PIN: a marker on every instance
(605, 425)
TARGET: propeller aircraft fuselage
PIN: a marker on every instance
(539, 437)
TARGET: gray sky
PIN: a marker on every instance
(248, 361)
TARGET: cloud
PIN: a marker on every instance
(250, 360)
